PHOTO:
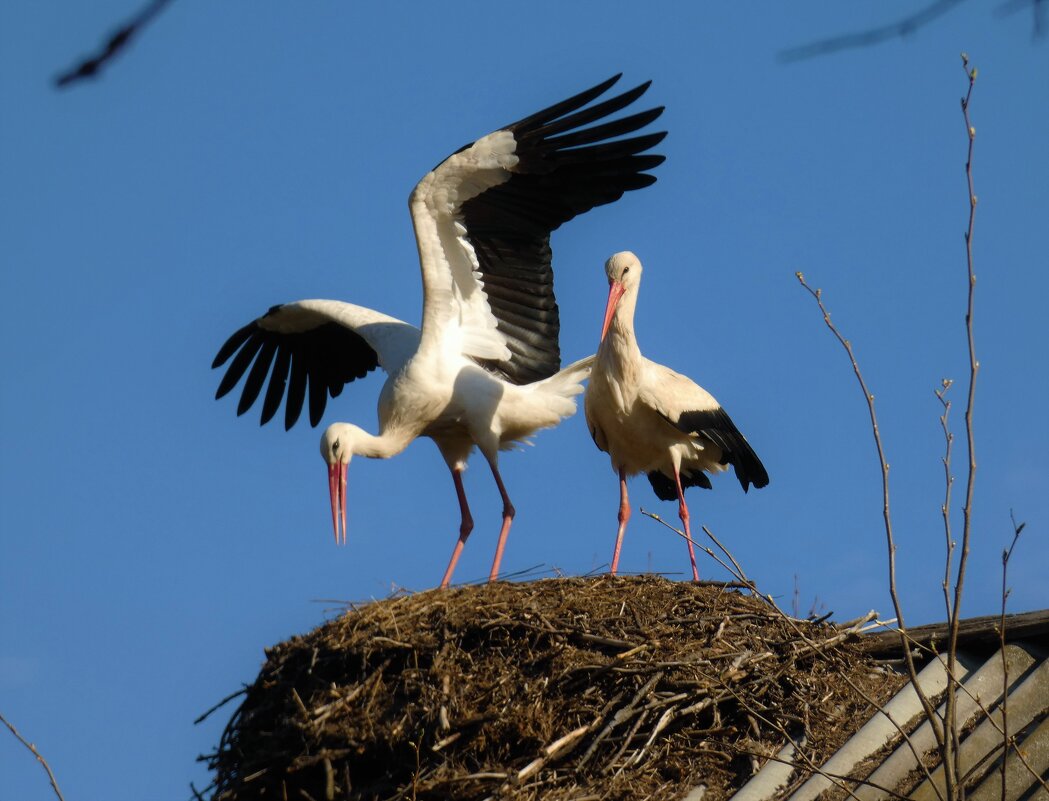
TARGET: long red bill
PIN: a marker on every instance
(615, 292)
(337, 490)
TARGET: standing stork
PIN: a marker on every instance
(483, 367)
(649, 419)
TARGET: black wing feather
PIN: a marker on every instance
(318, 390)
(238, 338)
(278, 382)
(566, 106)
(608, 150)
(238, 366)
(564, 169)
(256, 376)
(716, 426)
(320, 360)
(586, 116)
(296, 390)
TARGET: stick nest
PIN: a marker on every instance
(597, 688)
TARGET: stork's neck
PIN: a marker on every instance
(389, 443)
(619, 353)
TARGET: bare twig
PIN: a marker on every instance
(1006, 555)
(951, 746)
(739, 568)
(912, 671)
(734, 569)
(882, 462)
(116, 43)
(39, 758)
(948, 480)
(942, 733)
(699, 545)
(242, 691)
(899, 28)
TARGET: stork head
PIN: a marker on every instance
(337, 448)
(624, 272)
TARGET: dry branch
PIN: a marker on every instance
(32, 748)
(868, 396)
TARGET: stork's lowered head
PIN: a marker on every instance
(337, 448)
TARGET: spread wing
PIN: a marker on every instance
(484, 216)
(317, 346)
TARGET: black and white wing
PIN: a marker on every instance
(484, 216)
(694, 411)
(716, 426)
(314, 346)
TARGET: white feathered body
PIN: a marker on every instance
(484, 410)
(630, 404)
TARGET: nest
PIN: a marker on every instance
(575, 689)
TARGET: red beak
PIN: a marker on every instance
(337, 490)
(615, 292)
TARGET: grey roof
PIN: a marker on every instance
(879, 763)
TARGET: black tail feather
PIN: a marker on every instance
(663, 485)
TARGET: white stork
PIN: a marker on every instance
(649, 419)
(483, 368)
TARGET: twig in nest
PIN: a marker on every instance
(556, 749)
(702, 547)
(731, 558)
(735, 570)
(220, 704)
(39, 758)
(626, 743)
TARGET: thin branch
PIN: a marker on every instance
(900, 28)
(731, 558)
(912, 671)
(1006, 555)
(736, 572)
(117, 42)
(950, 769)
(948, 481)
(39, 758)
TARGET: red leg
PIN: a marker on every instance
(682, 512)
(466, 525)
(624, 516)
(508, 517)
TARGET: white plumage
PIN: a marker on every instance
(652, 420)
(484, 367)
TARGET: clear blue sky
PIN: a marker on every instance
(241, 155)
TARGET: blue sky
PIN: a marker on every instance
(241, 155)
